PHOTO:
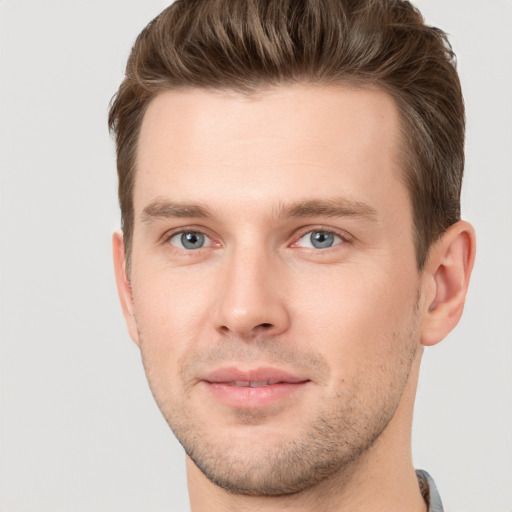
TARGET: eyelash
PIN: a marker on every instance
(166, 239)
(343, 236)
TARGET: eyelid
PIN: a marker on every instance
(207, 240)
(166, 237)
(343, 235)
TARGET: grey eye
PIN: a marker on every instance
(189, 240)
(319, 240)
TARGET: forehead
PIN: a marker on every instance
(289, 141)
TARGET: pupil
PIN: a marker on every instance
(322, 239)
(192, 240)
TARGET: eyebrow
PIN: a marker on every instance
(337, 207)
(162, 209)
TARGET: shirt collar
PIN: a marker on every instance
(429, 491)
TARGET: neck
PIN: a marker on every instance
(382, 479)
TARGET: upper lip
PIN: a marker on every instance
(262, 375)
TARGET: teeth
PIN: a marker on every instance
(252, 384)
(257, 384)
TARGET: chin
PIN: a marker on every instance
(273, 465)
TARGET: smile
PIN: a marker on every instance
(253, 389)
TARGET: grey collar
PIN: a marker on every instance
(429, 491)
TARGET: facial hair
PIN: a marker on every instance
(330, 441)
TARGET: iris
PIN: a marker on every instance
(321, 239)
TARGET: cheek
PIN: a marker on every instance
(357, 314)
(170, 315)
(368, 332)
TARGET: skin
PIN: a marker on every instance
(351, 319)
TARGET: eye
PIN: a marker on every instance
(319, 240)
(189, 240)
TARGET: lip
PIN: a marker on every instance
(253, 388)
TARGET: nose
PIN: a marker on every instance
(252, 299)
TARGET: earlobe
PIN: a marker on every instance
(447, 273)
(123, 285)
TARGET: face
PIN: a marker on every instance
(274, 280)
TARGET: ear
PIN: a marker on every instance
(446, 280)
(124, 288)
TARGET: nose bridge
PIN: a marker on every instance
(251, 299)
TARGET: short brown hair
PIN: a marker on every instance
(248, 45)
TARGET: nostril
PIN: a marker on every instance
(266, 325)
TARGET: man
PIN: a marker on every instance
(289, 180)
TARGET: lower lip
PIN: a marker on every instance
(246, 397)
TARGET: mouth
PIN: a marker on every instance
(254, 388)
(254, 384)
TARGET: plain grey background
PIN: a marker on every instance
(79, 429)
